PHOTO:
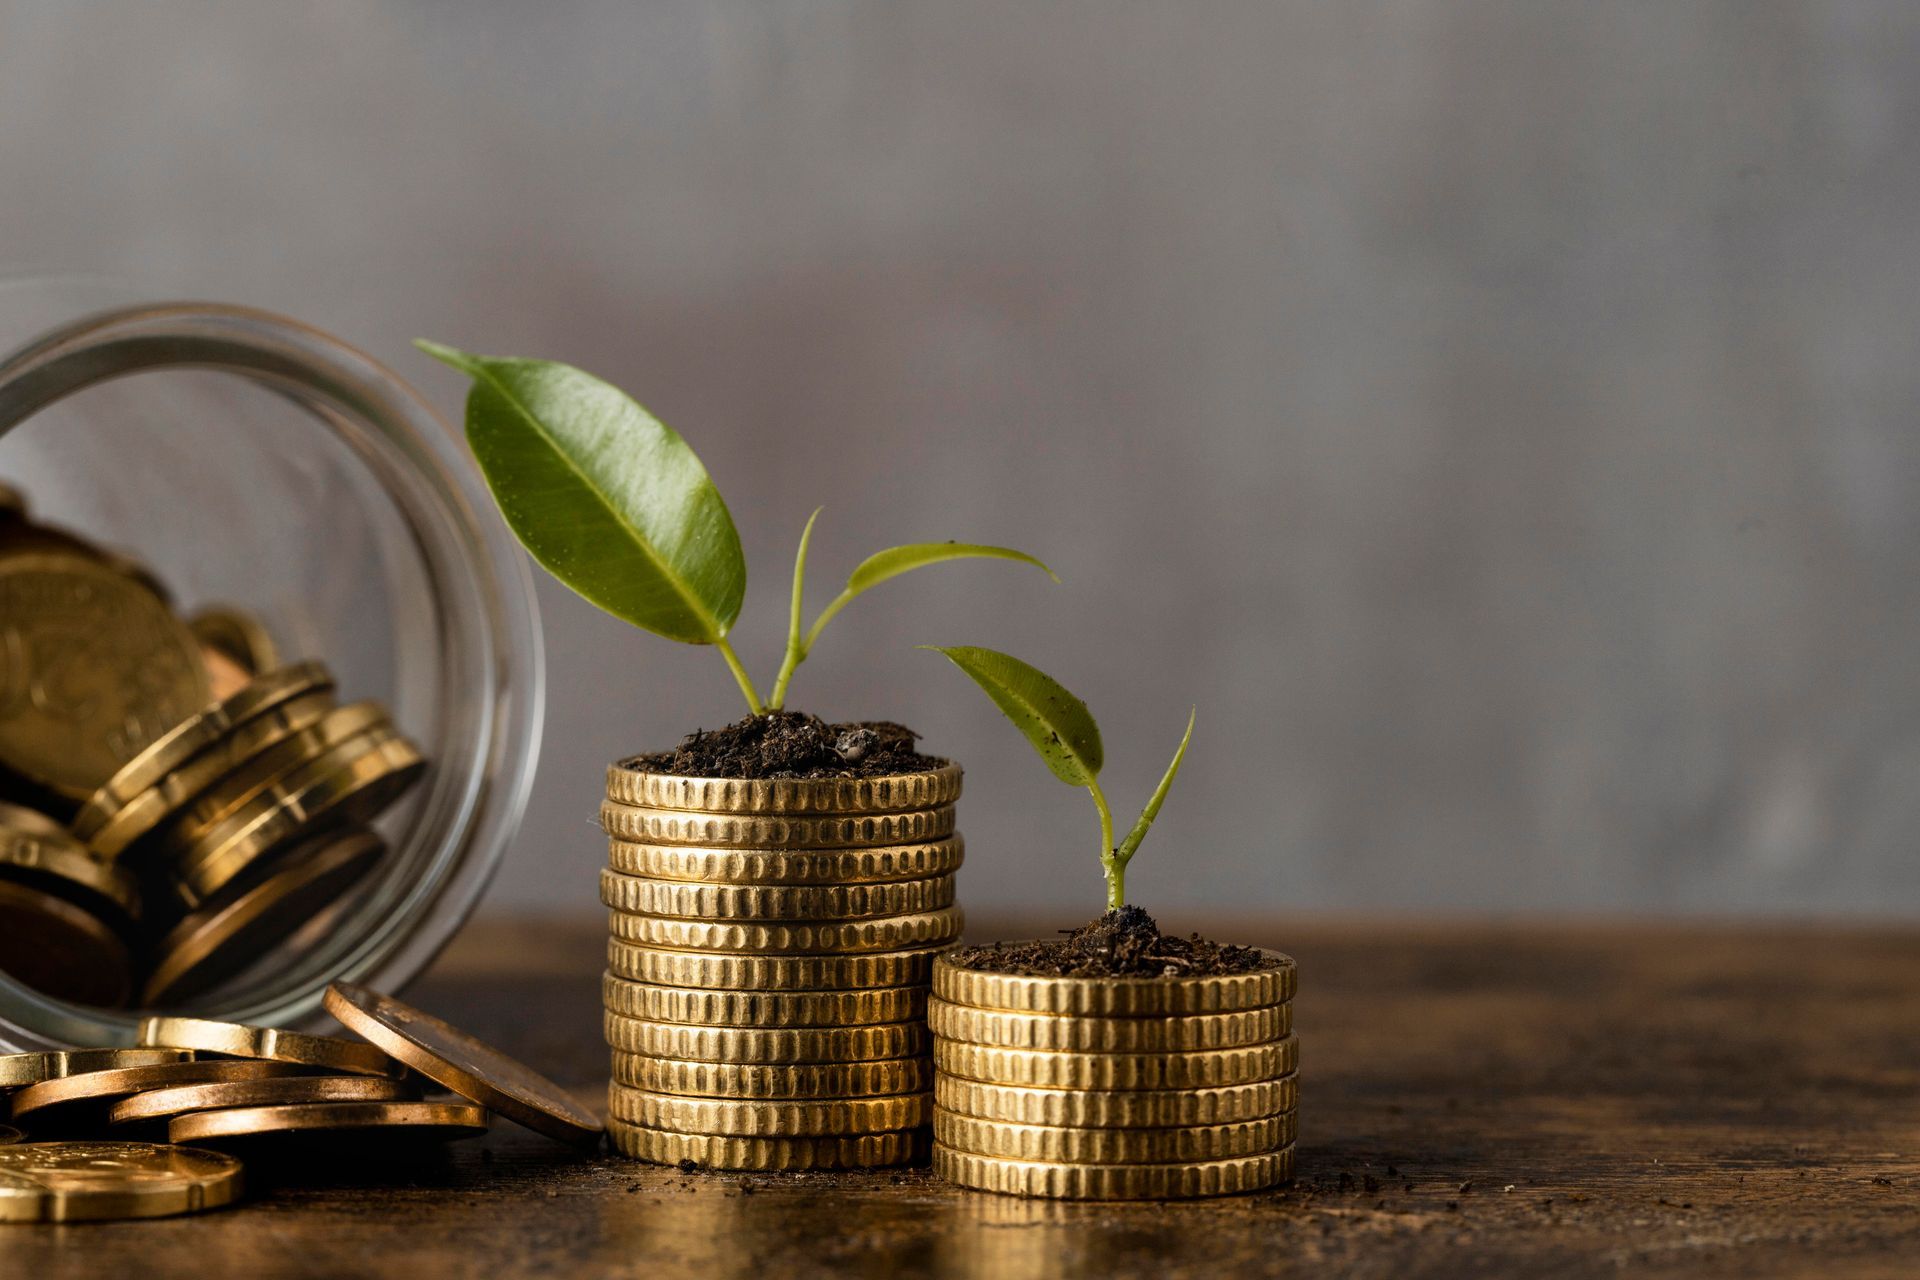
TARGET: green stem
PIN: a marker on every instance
(740, 674)
(1110, 861)
(839, 602)
(796, 646)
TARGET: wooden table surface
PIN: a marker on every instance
(1488, 1100)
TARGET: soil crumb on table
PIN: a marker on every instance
(1126, 943)
(792, 744)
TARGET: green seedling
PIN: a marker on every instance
(618, 507)
(1063, 731)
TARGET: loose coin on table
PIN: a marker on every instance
(274, 1091)
(214, 943)
(82, 1098)
(463, 1064)
(407, 1121)
(17, 1070)
(232, 1040)
(95, 1181)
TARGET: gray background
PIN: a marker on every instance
(1497, 417)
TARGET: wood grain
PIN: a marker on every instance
(1516, 1100)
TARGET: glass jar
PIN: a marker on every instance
(251, 460)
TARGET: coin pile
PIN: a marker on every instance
(1114, 1088)
(134, 1118)
(768, 966)
(173, 801)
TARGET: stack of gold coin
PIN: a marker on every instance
(1085, 1088)
(768, 966)
(176, 798)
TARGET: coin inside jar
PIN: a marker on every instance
(61, 949)
(237, 636)
(281, 1091)
(96, 1181)
(463, 1064)
(221, 939)
(404, 1121)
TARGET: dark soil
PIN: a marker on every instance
(791, 744)
(1121, 944)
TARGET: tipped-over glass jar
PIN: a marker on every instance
(246, 459)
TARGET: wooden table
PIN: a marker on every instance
(1492, 1100)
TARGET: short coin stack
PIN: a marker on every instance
(768, 966)
(176, 800)
(1114, 1088)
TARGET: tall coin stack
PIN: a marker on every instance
(1080, 1088)
(174, 802)
(767, 973)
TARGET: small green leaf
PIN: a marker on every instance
(1058, 724)
(1152, 811)
(894, 561)
(611, 501)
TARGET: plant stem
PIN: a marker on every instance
(1110, 861)
(740, 674)
(796, 646)
(838, 603)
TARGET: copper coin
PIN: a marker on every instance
(60, 949)
(463, 1064)
(163, 1104)
(68, 1097)
(440, 1121)
(219, 940)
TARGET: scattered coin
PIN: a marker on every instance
(17, 1070)
(463, 1064)
(405, 1121)
(274, 1091)
(69, 1094)
(232, 1040)
(95, 1181)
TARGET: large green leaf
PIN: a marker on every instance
(614, 503)
(894, 561)
(1058, 724)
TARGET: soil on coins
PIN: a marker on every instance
(1126, 943)
(792, 744)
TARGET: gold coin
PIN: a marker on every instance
(1116, 1109)
(835, 1117)
(629, 782)
(219, 940)
(17, 1070)
(765, 1044)
(232, 1040)
(253, 776)
(1114, 1181)
(762, 1008)
(237, 636)
(881, 933)
(224, 676)
(51, 1100)
(791, 1081)
(191, 737)
(96, 1181)
(352, 784)
(870, 1151)
(93, 667)
(1117, 997)
(1190, 1069)
(467, 1066)
(711, 902)
(832, 867)
(19, 817)
(668, 826)
(61, 949)
(119, 827)
(273, 1091)
(411, 1121)
(1079, 1034)
(1185, 1145)
(61, 864)
(730, 972)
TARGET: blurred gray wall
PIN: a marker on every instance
(1498, 418)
